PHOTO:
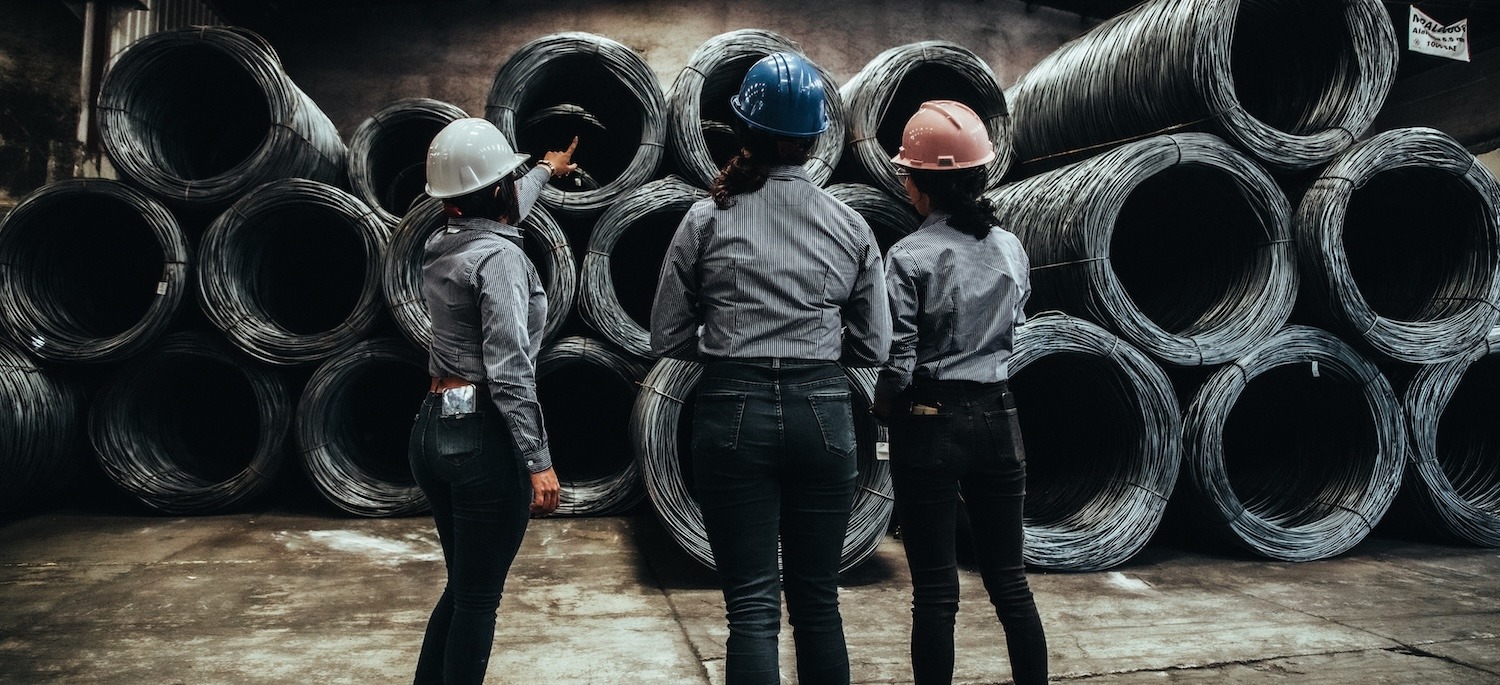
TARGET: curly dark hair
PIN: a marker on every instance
(961, 194)
(759, 150)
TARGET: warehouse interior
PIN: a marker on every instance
(1256, 387)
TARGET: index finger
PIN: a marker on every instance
(572, 146)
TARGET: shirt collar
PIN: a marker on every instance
(937, 216)
(481, 223)
(787, 171)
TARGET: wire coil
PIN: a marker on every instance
(290, 273)
(1453, 474)
(890, 88)
(602, 77)
(388, 154)
(90, 271)
(889, 220)
(1420, 301)
(658, 431)
(1212, 65)
(1295, 451)
(620, 272)
(1103, 436)
(193, 427)
(1124, 239)
(38, 436)
(353, 422)
(199, 116)
(698, 104)
(546, 244)
(597, 404)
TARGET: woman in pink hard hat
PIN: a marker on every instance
(957, 286)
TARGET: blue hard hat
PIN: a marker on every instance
(783, 94)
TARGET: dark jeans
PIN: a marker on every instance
(773, 457)
(480, 501)
(970, 452)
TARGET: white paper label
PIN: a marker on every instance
(161, 288)
(1427, 36)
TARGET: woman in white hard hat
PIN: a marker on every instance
(957, 286)
(784, 282)
(479, 448)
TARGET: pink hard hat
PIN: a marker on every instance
(944, 135)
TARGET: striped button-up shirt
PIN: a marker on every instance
(787, 272)
(488, 307)
(955, 304)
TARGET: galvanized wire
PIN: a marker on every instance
(643, 221)
(276, 292)
(193, 427)
(1453, 475)
(1179, 244)
(90, 271)
(1423, 296)
(1294, 451)
(545, 243)
(889, 219)
(39, 431)
(387, 158)
(603, 425)
(1103, 436)
(890, 88)
(603, 77)
(350, 429)
(698, 104)
(1292, 82)
(659, 433)
(199, 116)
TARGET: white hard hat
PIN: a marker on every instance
(467, 155)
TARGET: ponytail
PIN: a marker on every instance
(960, 194)
(759, 151)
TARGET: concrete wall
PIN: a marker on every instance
(353, 61)
(40, 47)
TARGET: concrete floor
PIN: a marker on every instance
(278, 597)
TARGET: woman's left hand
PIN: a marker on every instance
(545, 492)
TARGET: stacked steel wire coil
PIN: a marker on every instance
(1178, 243)
(388, 154)
(201, 115)
(596, 404)
(1212, 65)
(90, 271)
(698, 102)
(889, 218)
(38, 436)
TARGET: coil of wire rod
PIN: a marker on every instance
(1180, 244)
(353, 424)
(201, 115)
(38, 431)
(1423, 300)
(661, 422)
(1103, 436)
(1217, 66)
(545, 243)
(1294, 451)
(586, 389)
(599, 76)
(890, 88)
(290, 273)
(193, 427)
(90, 271)
(626, 251)
(698, 104)
(387, 159)
(1453, 477)
(889, 219)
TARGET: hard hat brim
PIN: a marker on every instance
(516, 161)
(734, 104)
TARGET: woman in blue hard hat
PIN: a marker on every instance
(957, 287)
(478, 449)
(784, 282)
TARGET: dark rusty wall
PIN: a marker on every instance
(40, 47)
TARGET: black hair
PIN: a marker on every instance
(960, 193)
(748, 170)
(494, 201)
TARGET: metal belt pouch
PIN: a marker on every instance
(459, 401)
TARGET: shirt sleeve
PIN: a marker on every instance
(503, 282)
(867, 314)
(528, 189)
(675, 315)
(905, 302)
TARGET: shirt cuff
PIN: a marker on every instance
(538, 461)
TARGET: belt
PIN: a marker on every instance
(441, 383)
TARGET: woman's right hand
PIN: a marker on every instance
(545, 492)
(561, 161)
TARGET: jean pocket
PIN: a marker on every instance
(457, 439)
(921, 440)
(716, 421)
(1005, 430)
(835, 421)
